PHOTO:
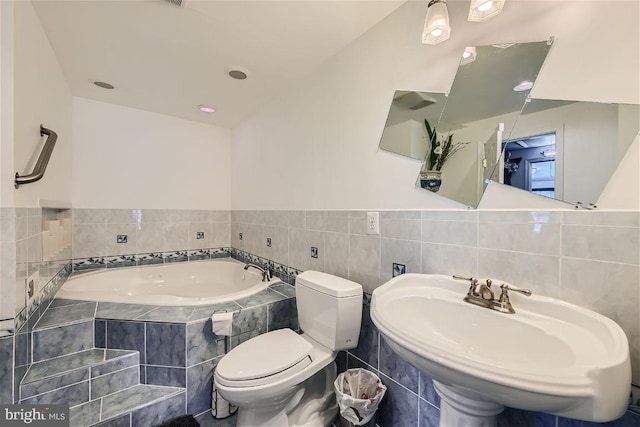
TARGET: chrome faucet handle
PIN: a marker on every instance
(504, 295)
(506, 288)
(504, 305)
(473, 280)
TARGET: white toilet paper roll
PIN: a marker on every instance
(222, 322)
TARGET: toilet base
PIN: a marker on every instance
(312, 404)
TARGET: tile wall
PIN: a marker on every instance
(584, 257)
(116, 233)
(21, 242)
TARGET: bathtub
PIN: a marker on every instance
(182, 283)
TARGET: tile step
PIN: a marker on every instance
(103, 368)
(138, 406)
(75, 312)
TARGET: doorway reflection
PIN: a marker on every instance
(530, 164)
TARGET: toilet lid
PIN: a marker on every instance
(265, 355)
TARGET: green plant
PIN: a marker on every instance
(440, 151)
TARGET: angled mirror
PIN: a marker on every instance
(488, 93)
(458, 136)
(567, 150)
(404, 132)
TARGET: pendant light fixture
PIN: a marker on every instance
(481, 10)
(436, 24)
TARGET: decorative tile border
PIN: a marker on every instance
(285, 273)
(175, 256)
(32, 313)
(131, 260)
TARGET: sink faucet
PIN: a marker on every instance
(266, 274)
(481, 294)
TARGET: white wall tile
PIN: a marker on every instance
(150, 237)
(463, 233)
(537, 238)
(299, 249)
(449, 259)
(401, 225)
(611, 289)
(89, 240)
(407, 252)
(336, 251)
(176, 236)
(540, 273)
(617, 244)
(364, 261)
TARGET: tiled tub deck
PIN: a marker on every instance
(141, 364)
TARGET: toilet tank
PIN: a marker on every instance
(329, 309)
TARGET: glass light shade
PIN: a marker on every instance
(436, 24)
(469, 55)
(481, 10)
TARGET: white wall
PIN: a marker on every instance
(6, 103)
(128, 158)
(316, 147)
(623, 189)
(40, 96)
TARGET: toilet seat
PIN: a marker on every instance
(265, 359)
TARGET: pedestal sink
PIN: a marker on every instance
(549, 356)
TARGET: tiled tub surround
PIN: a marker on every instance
(21, 257)
(589, 258)
(116, 232)
(171, 347)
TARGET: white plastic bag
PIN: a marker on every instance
(358, 393)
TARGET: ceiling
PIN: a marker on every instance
(169, 59)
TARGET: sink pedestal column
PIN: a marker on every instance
(462, 408)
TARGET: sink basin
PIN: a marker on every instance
(549, 356)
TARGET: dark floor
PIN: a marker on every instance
(207, 420)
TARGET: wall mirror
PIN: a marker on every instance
(404, 132)
(490, 87)
(567, 150)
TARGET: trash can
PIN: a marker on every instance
(358, 393)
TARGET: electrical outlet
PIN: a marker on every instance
(373, 222)
(31, 282)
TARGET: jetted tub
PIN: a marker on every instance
(182, 283)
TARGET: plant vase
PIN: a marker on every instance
(431, 180)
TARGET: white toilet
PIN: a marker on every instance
(284, 379)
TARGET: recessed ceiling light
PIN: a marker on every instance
(103, 85)
(237, 73)
(206, 108)
(523, 85)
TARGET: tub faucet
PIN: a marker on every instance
(266, 274)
